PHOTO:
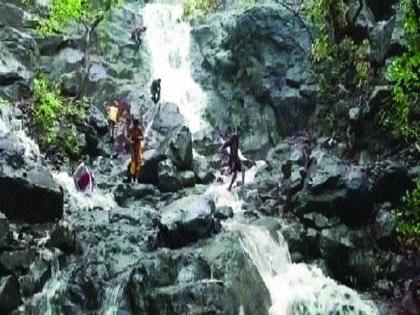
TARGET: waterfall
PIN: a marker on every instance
(168, 39)
(294, 288)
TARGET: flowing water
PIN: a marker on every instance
(168, 39)
(294, 288)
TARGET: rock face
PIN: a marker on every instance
(254, 65)
(28, 190)
(187, 220)
(218, 278)
(9, 294)
(336, 188)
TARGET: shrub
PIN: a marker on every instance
(194, 8)
(403, 73)
(408, 218)
(54, 118)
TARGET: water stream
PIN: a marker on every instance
(295, 289)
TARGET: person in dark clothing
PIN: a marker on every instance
(155, 90)
(136, 35)
(235, 164)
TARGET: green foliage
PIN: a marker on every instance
(63, 11)
(54, 117)
(404, 73)
(193, 8)
(341, 66)
(408, 218)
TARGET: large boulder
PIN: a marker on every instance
(180, 149)
(334, 188)
(218, 278)
(33, 198)
(360, 19)
(253, 63)
(380, 40)
(187, 220)
(9, 294)
(150, 171)
(29, 193)
(385, 175)
(169, 180)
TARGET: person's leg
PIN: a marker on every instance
(233, 180)
(243, 177)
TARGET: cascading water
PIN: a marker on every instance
(168, 39)
(294, 288)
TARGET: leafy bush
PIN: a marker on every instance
(53, 118)
(408, 218)
(194, 8)
(404, 73)
(63, 11)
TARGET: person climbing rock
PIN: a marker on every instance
(136, 136)
(155, 90)
(84, 179)
(121, 142)
(235, 165)
(112, 114)
(137, 34)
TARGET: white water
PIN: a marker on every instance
(80, 200)
(8, 124)
(168, 39)
(294, 288)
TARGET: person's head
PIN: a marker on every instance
(158, 80)
(136, 122)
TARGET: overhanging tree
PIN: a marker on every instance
(88, 12)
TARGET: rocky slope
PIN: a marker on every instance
(178, 243)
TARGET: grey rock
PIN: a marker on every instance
(378, 96)
(5, 232)
(125, 193)
(187, 220)
(62, 237)
(386, 174)
(363, 268)
(169, 180)
(150, 171)
(9, 294)
(296, 76)
(380, 40)
(203, 171)
(16, 260)
(180, 149)
(363, 21)
(224, 212)
(385, 225)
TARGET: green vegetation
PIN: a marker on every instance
(85, 11)
(193, 8)
(408, 218)
(342, 67)
(400, 114)
(53, 118)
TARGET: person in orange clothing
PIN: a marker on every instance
(136, 137)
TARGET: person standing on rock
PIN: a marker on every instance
(235, 164)
(121, 142)
(136, 137)
(112, 113)
(155, 90)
